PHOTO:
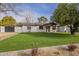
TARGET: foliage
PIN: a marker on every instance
(0, 23)
(34, 52)
(66, 14)
(42, 19)
(8, 7)
(72, 47)
(8, 21)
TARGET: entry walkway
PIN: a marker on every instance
(6, 35)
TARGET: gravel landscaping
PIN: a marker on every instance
(45, 51)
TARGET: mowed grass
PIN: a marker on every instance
(30, 40)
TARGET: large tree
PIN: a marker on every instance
(8, 21)
(67, 14)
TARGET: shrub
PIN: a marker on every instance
(72, 47)
(34, 51)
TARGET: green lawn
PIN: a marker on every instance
(30, 40)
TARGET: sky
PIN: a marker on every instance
(34, 10)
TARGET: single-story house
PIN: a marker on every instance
(34, 27)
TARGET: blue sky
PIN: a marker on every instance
(36, 9)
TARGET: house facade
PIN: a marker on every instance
(22, 29)
(35, 27)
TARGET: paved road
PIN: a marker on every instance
(6, 35)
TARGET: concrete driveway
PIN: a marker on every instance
(6, 35)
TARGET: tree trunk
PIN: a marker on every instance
(72, 30)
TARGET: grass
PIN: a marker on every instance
(30, 40)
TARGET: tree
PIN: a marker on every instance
(9, 7)
(67, 14)
(8, 21)
(28, 19)
(42, 19)
(0, 22)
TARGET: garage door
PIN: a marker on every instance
(9, 29)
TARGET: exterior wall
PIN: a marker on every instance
(34, 28)
(18, 29)
(63, 29)
(53, 30)
(44, 30)
(24, 29)
(2, 29)
(21, 29)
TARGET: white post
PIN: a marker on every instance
(51, 29)
(2, 28)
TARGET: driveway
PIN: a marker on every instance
(6, 35)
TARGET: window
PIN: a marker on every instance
(41, 27)
(28, 27)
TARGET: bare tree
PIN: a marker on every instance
(28, 19)
(9, 7)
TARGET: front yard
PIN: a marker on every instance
(30, 40)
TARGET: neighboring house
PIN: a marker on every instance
(34, 27)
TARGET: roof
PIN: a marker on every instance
(27, 24)
(51, 24)
(36, 24)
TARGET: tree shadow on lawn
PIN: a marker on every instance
(51, 35)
